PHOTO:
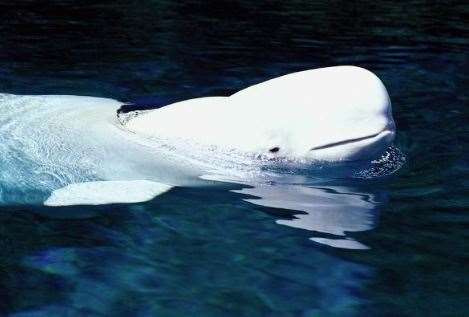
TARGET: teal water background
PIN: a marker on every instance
(207, 252)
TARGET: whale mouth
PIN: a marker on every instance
(369, 139)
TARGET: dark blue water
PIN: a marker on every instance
(207, 251)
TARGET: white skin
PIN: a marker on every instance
(331, 114)
(63, 150)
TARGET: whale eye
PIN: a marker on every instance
(274, 149)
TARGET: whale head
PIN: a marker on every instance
(340, 113)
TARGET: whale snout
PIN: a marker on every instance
(360, 124)
(360, 140)
(385, 135)
(361, 148)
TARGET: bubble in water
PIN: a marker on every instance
(389, 162)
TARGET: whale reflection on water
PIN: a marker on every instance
(168, 252)
(330, 211)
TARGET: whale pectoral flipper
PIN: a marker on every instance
(106, 192)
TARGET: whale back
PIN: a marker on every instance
(48, 142)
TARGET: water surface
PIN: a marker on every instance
(218, 251)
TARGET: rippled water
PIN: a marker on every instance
(218, 251)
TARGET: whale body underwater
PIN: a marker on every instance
(66, 150)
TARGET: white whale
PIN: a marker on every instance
(57, 148)
(332, 114)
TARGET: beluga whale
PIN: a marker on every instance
(65, 150)
(331, 114)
